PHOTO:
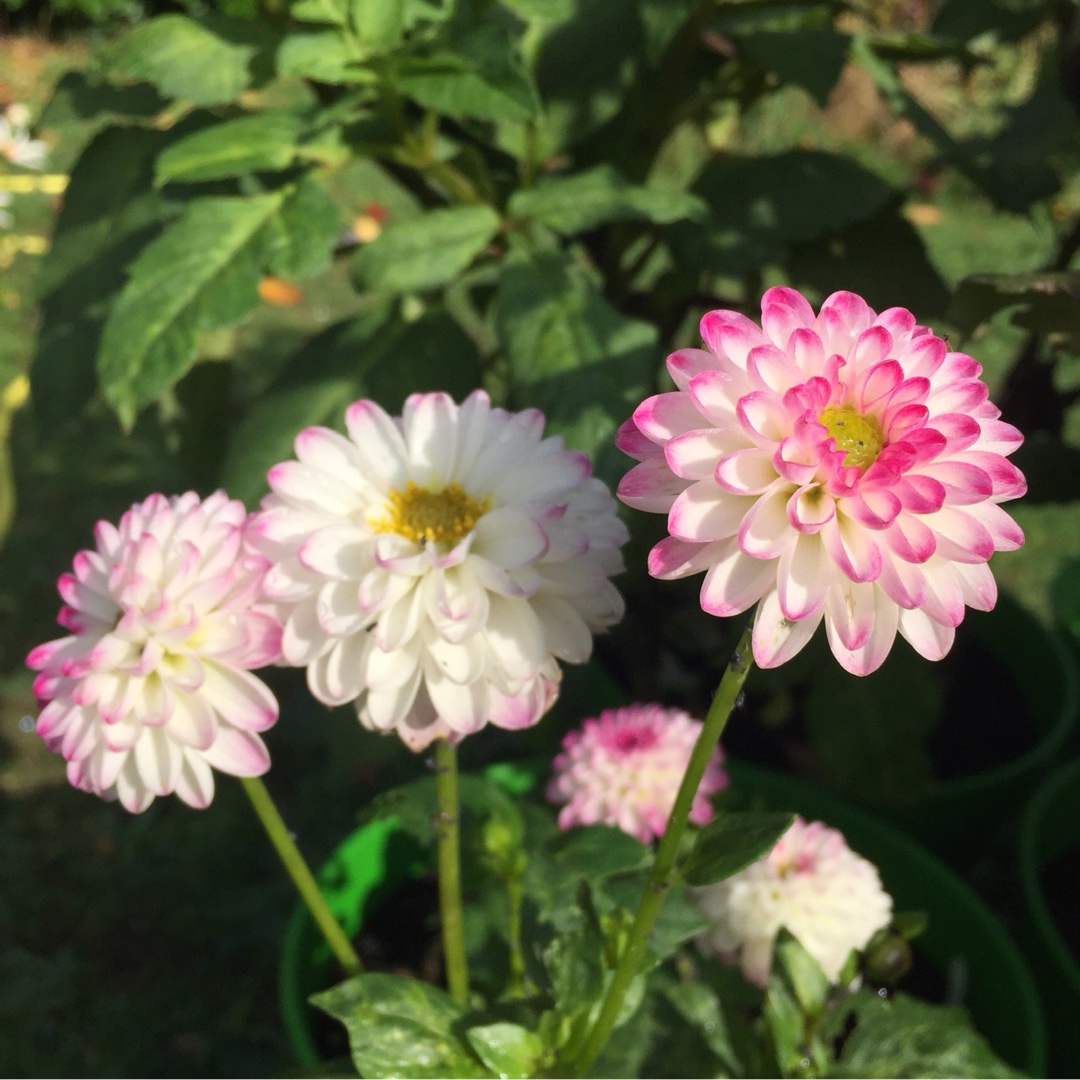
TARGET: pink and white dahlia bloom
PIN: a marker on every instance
(812, 884)
(433, 568)
(151, 691)
(843, 466)
(624, 767)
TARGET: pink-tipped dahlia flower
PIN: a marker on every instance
(812, 884)
(151, 691)
(433, 568)
(844, 466)
(624, 767)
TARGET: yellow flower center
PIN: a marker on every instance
(860, 436)
(441, 517)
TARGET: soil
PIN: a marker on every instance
(1060, 881)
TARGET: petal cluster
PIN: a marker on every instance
(624, 767)
(812, 884)
(151, 690)
(434, 567)
(844, 466)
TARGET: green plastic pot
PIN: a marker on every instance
(953, 817)
(963, 941)
(1051, 825)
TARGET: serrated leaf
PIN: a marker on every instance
(323, 55)
(732, 842)
(301, 235)
(200, 274)
(583, 201)
(905, 1037)
(182, 59)
(400, 1027)
(598, 851)
(572, 354)
(426, 252)
(263, 142)
(508, 1050)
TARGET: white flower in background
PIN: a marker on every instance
(813, 884)
(15, 142)
(151, 691)
(433, 568)
(624, 767)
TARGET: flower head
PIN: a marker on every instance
(433, 568)
(623, 768)
(812, 884)
(844, 466)
(15, 142)
(151, 691)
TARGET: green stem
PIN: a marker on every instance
(515, 893)
(663, 871)
(453, 933)
(298, 870)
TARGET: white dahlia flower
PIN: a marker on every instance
(151, 691)
(843, 466)
(434, 567)
(624, 767)
(812, 884)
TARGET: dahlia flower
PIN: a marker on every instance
(813, 884)
(845, 466)
(15, 142)
(623, 768)
(434, 567)
(151, 692)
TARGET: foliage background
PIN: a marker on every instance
(534, 195)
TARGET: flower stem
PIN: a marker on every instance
(663, 870)
(298, 870)
(446, 788)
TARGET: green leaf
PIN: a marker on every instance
(109, 213)
(1049, 301)
(400, 1027)
(811, 57)
(301, 236)
(379, 24)
(572, 354)
(200, 274)
(508, 1050)
(575, 964)
(731, 842)
(802, 972)
(334, 12)
(700, 1007)
(426, 252)
(453, 87)
(323, 55)
(901, 1036)
(576, 203)
(182, 59)
(264, 142)
(598, 851)
(1066, 594)
(679, 919)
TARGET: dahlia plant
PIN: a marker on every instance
(434, 570)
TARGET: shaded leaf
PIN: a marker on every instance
(700, 1007)
(426, 252)
(264, 141)
(598, 851)
(301, 235)
(1050, 300)
(587, 199)
(323, 55)
(731, 842)
(811, 57)
(400, 1027)
(182, 59)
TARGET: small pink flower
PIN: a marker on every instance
(812, 884)
(624, 767)
(843, 466)
(151, 691)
